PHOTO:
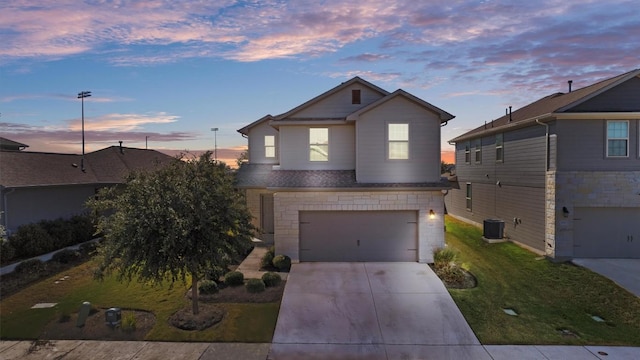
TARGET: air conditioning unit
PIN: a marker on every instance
(493, 229)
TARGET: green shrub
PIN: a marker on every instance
(255, 285)
(207, 287)
(32, 266)
(64, 317)
(82, 228)
(271, 279)
(443, 257)
(267, 260)
(128, 321)
(7, 251)
(215, 273)
(65, 256)
(234, 278)
(60, 231)
(31, 240)
(282, 262)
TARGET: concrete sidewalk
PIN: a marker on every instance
(146, 350)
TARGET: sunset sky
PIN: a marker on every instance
(172, 70)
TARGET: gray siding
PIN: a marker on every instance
(256, 144)
(526, 204)
(582, 147)
(373, 165)
(520, 193)
(339, 105)
(524, 159)
(624, 97)
(294, 148)
(28, 205)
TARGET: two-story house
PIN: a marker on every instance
(350, 175)
(562, 172)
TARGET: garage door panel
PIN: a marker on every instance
(607, 232)
(358, 236)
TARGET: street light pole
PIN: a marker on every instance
(215, 144)
(81, 96)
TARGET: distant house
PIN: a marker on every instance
(350, 175)
(36, 185)
(562, 172)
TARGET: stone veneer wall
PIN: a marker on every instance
(289, 204)
(572, 189)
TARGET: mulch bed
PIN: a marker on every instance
(239, 294)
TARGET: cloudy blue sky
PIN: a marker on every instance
(172, 70)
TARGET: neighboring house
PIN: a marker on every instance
(562, 172)
(350, 175)
(36, 186)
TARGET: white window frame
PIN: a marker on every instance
(393, 140)
(467, 152)
(607, 138)
(469, 197)
(269, 146)
(500, 147)
(318, 151)
(477, 152)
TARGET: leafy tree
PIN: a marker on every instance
(177, 221)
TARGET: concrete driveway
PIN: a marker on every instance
(372, 311)
(624, 272)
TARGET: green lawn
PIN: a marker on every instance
(243, 322)
(547, 296)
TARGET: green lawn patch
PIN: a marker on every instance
(555, 302)
(244, 322)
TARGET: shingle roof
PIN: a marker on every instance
(264, 176)
(24, 168)
(558, 102)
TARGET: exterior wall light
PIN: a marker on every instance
(432, 214)
(565, 211)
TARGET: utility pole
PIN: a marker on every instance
(81, 96)
(215, 144)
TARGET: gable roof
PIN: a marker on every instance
(326, 94)
(245, 130)
(107, 166)
(444, 116)
(548, 106)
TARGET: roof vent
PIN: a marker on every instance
(510, 119)
(570, 82)
(121, 149)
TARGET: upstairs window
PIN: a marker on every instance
(467, 153)
(269, 146)
(398, 135)
(618, 138)
(319, 144)
(478, 151)
(355, 96)
(468, 196)
(499, 148)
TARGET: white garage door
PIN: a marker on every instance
(358, 236)
(606, 232)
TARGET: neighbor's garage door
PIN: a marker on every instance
(607, 232)
(358, 236)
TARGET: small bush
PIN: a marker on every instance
(234, 278)
(282, 262)
(207, 287)
(267, 260)
(65, 256)
(215, 273)
(255, 286)
(128, 322)
(32, 266)
(271, 279)
(64, 318)
(31, 240)
(444, 257)
(7, 251)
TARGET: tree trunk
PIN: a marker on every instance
(194, 293)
